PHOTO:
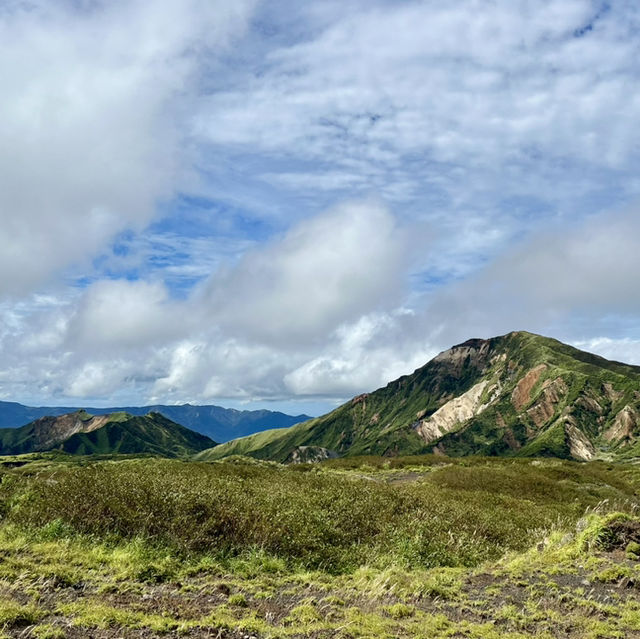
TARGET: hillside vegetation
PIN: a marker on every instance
(221, 424)
(352, 548)
(515, 395)
(80, 433)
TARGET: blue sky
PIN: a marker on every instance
(284, 204)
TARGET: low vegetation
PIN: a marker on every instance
(355, 547)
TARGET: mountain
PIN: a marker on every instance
(80, 433)
(221, 424)
(518, 394)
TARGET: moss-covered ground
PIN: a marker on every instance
(414, 547)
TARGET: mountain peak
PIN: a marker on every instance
(119, 432)
(516, 394)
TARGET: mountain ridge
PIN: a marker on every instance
(81, 433)
(515, 394)
(216, 422)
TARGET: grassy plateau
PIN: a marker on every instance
(422, 546)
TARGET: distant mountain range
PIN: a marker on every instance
(515, 395)
(80, 433)
(220, 424)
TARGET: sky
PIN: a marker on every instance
(282, 204)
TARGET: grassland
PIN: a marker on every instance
(358, 547)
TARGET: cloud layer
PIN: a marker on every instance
(90, 134)
(209, 201)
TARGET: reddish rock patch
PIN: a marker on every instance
(521, 395)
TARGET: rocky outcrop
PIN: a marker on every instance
(580, 447)
(521, 395)
(473, 353)
(623, 427)
(454, 412)
(310, 454)
(611, 394)
(50, 431)
(546, 406)
(590, 404)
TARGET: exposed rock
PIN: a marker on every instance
(473, 352)
(511, 440)
(589, 404)
(611, 393)
(546, 406)
(50, 431)
(359, 398)
(623, 426)
(579, 445)
(521, 395)
(310, 454)
(454, 412)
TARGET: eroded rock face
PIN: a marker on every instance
(590, 404)
(521, 395)
(311, 454)
(50, 431)
(456, 411)
(474, 352)
(579, 445)
(623, 427)
(611, 393)
(547, 403)
(511, 440)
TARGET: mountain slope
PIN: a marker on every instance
(221, 424)
(518, 394)
(80, 433)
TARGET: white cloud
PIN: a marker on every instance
(326, 270)
(124, 314)
(490, 82)
(624, 350)
(90, 136)
(265, 327)
(497, 133)
(569, 280)
(363, 355)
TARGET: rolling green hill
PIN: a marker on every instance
(518, 394)
(80, 433)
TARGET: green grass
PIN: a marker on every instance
(459, 514)
(354, 548)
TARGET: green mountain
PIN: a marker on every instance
(80, 433)
(518, 394)
(221, 424)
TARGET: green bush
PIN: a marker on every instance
(459, 515)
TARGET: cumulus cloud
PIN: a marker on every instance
(90, 136)
(374, 181)
(363, 355)
(301, 315)
(571, 280)
(326, 270)
(124, 314)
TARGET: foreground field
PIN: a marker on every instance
(414, 547)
